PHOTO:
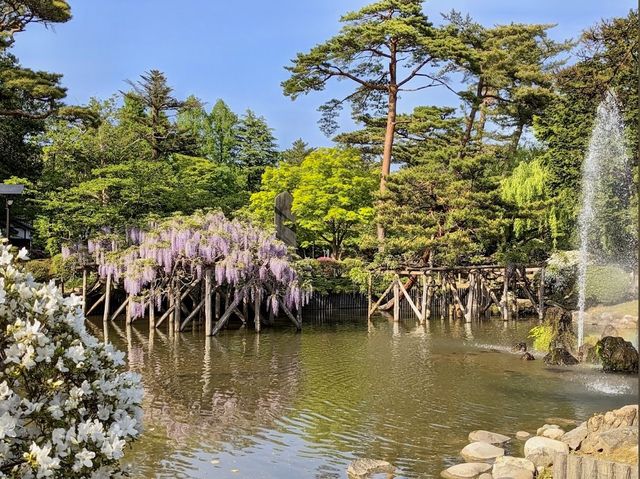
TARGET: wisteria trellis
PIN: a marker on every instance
(242, 256)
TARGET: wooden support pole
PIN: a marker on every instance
(129, 312)
(468, 313)
(423, 306)
(541, 295)
(95, 305)
(107, 299)
(192, 315)
(574, 467)
(177, 310)
(396, 299)
(377, 303)
(208, 313)
(217, 304)
(227, 314)
(589, 468)
(605, 469)
(369, 281)
(408, 298)
(504, 302)
(84, 290)
(293, 319)
(152, 315)
(256, 312)
(120, 308)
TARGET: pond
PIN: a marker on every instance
(303, 405)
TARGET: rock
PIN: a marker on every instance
(523, 435)
(617, 355)
(545, 427)
(469, 470)
(611, 441)
(625, 416)
(481, 452)
(519, 348)
(527, 357)
(486, 475)
(609, 330)
(544, 446)
(488, 437)
(361, 468)
(508, 467)
(575, 437)
(630, 319)
(559, 357)
(541, 460)
(587, 354)
(561, 421)
(553, 433)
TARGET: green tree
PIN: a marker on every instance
(296, 154)
(332, 197)
(255, 148)
(385, 48)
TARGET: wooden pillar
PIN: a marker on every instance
(369, 298)
(574, 467)
(560, 466)
(177, 312)
(107, 299)
(504, 301)
(128, 311)
(471, 290)
(152, 315)
(396, 300)
(216, 311)
(84, 290)
(256, 312)
(541, 295)
(423, 306)
(208, 313)
(172, 300)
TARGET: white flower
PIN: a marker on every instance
(23, 254)
(7, 426)
(83, 459)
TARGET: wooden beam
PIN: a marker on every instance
(375, 306)
(396, 299)
(84, 290)
(293, 319)
(95, 305)
(409, 300)
(192, 315)
(208, 313)
(256, 312)
(227, 314)
(120, 308)
(107, 300)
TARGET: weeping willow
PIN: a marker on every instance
(526, 188)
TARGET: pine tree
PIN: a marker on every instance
(296, 154)
(255, 148)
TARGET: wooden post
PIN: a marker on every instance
(128, 313)
(217, 304)
(622, 471)
(471, 290)
(84, 290)
(504, 301)
(208, 320)
(560, 466)
(107, 299)
(605, 469)
(574, 467)
(369, 298)
(589, 468)
(396, 300)
(177, 311)
(256, 312)
(172, 307)
(423, 306)
(541, 295)
(152, 315)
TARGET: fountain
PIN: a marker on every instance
(606, 189)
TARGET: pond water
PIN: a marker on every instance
(303, 405)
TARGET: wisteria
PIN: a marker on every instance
(241, 256)
(66, 409)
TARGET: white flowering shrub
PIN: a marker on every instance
(67, 408)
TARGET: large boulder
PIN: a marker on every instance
(575, 437)
(609, 330)
(507, 467)
(541, 450)
(362, 468)
(553, 433)
(481, 452)
(587, 354)
(617, 355)
(470, 470)
(488, 437)
(559, 357)
(608, 442)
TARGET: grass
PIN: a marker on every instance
(622, 309)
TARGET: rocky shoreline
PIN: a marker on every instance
(610, 436)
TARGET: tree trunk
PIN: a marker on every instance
(472, 117)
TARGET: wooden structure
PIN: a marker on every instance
(284, 219)
(467, 292)
(196, 301)
(573, 466)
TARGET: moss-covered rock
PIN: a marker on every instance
(617, 355)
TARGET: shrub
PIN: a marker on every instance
(542, 336)
(607, 285)
(40, 269)
(66, 409)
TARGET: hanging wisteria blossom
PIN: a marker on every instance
(66, 409)
(241, 256)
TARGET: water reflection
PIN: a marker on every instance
(282, 404)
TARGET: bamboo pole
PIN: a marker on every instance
(107, 300)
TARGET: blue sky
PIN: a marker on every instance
(237, 50)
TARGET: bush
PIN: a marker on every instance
(327, 275)
(40, 269)
(607, 285)
(542, 336)
(66, 409)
